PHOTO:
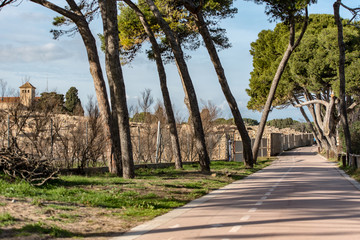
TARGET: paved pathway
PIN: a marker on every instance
(300, 196)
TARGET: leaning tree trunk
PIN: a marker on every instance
(322, 138)
(318, 141)
(95, 69)
(163, 85)
(108, 10)
(190, 95)
(291, 47)
(269, 101)
(102, 99)
(328, 126)
(202, 27)
(343, 112)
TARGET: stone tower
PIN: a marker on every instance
(27, 94)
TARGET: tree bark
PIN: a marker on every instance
(318, 141)
(190, 95)
(108, 10)
(321, 136)
(163, 85)
(202, 27)
(95, 69)
(342, 94)
(328, 122)
(291, 47)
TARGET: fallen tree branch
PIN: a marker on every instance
(35, 171)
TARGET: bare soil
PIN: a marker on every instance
(87, 222)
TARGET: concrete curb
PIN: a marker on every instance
(347, 177)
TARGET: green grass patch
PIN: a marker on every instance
(68, 217)
(6, 219)
(152, 193)
(42, 228)
(37, 202)
(352, 172)
(60, 207)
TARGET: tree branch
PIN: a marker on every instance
(326, 104)
(57, 9)
(352, 107)
(3, 3)
(306, 21)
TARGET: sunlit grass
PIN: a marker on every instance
(152, 193)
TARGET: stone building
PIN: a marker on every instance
(27, 94)
(27, 97)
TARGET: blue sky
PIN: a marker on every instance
(27, 51)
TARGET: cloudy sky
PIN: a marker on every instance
(28, 52)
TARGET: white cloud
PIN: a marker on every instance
(34, 53)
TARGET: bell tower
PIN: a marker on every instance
(27, 94)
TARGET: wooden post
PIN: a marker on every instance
(158, 143)
(343, 158)
(139, 148)
(219, 149)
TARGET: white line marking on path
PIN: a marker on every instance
(259, 203)
(252, 210)
(235, 229)
(245, 218)
(175, 226)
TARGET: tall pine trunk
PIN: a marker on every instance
(342, 94)
(175, 144)
(108, 10)
(190, 95)
(102, 99)
(202, 27)
(95, 69)
(280, 70)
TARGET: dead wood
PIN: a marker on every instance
(34, 170)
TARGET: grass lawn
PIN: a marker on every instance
(99, 206)
(352, 172)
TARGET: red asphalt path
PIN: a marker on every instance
(300, 196)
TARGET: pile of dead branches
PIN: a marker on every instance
(34, 170)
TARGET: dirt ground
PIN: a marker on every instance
(90, 223)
